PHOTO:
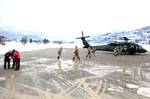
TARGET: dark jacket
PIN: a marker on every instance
(7, 55)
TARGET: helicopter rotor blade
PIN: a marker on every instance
(82, 36)
(78, 38)
(87, 36)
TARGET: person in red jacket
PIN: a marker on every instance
(16, 59)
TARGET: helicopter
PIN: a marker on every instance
(119, 48)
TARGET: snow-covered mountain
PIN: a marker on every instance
(12, 34)
(141, 35)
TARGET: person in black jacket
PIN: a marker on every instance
(7, 58)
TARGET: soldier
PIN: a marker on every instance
(7, 58)
(76, 54)
(59, 53)
(59, 58)
(89, 52)
(76, 58)
(93, 50)
(16, 59)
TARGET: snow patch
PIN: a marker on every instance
(42, 60)
(144, 91)
(2, 78)
(132, 86)
(147, 75)
(119, 89)
(102, 70)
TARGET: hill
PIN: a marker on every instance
(141, 35)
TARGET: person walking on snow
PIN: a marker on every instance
(59, 53)
(76, 58)
(59, 58)
(89, 53)
(76, 54)
(93, 50)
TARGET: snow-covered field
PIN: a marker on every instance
(101, 77)
(34, 46)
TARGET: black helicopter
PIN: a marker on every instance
(116, 47)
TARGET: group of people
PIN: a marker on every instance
(76, 57)
(15, 56)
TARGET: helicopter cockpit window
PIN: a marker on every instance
(140, 47)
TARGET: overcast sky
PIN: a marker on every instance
(70, 17)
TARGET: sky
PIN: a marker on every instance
(67, 18)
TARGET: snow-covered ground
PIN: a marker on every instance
(34, 46)
(39, 75)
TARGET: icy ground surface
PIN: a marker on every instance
(40, 78)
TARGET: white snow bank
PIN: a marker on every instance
(119, 89)
(34, 46)
(144, 91)
(2, 78)
(132, 86)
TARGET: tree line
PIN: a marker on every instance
(24, 40)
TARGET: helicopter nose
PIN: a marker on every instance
(144, 50)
